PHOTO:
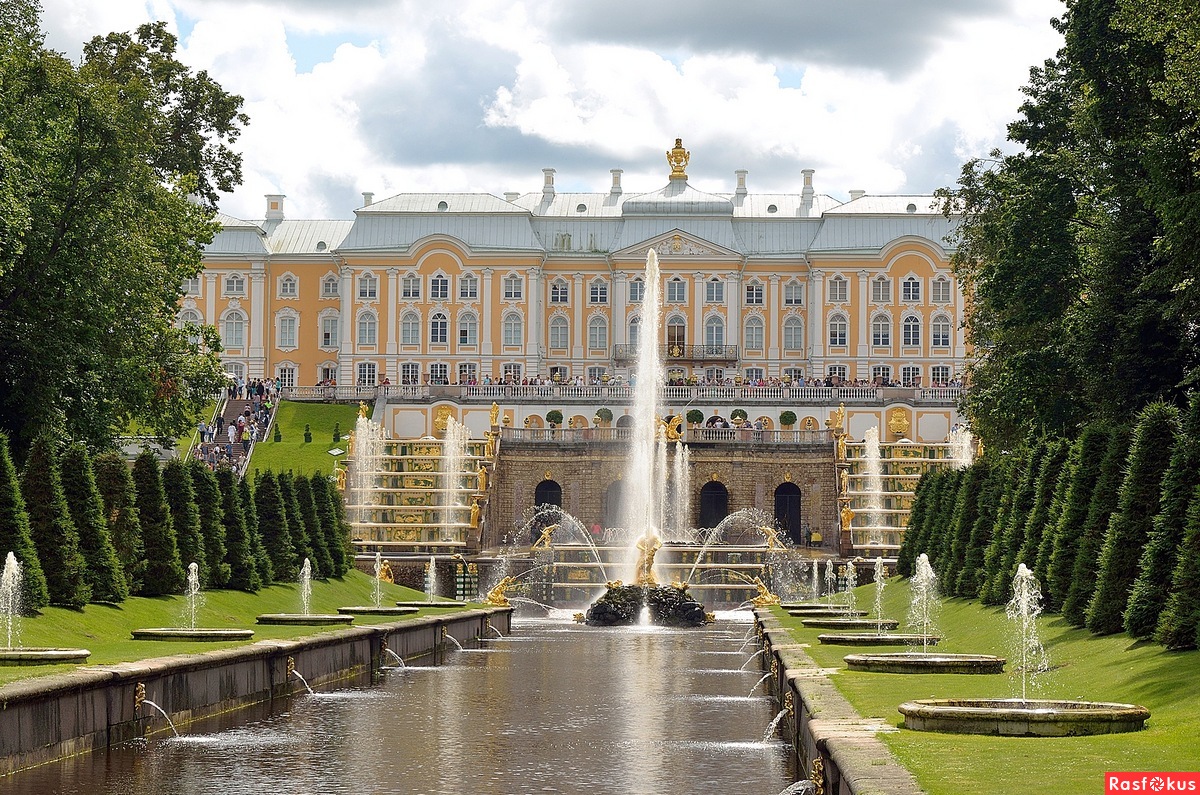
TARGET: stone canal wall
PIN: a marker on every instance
(834, 745)
(52, 717)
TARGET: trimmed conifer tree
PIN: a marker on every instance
(923, 495)
(1161, 555)
(1058, 504)
(164, 571)
(103, 569)
(943, 514)
(185, 515)
(52, 530)
(1130, 525)
(1050, 474)
(312, 525)
(1068, 530)
(212, 527)
(239, 552)
(262, 561)
(1008, 536)
(987, 506)
(115, 484)
(1179, 625)
(1091, 540)
(966, 511)
(15, 534)
(273, 527)
(333, 523)
(300, 539)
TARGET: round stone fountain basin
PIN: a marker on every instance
(42, 656)
(302, 619)
(850, 623)
(438, 603)
(1022, 718)
(372, 610)
(191, 633)
(916, 662)
(827, 613)
(877, 639)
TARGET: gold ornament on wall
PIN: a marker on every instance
(898, 422)
(441, 417)
(714, 477)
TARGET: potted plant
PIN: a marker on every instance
(604, 416)
(787, 419)
(695, 417)
(738, 414)
(554, 417)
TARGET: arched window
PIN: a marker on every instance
(754, 293)
(881, 331)
(189, 316)
(911, 290)
(676, 332)
(439, 288)
(676, 291)
(513, 287)
(468, 329)
(598, 292)
(789, 512)
(560, 292)
(940, 290)
(793, 334)
(329, 287)
(235, 284)
(367, 327)
(286, 338)
(939, 331)
(754, 333)
(410, 329)
(839, 290)
(881, 290)
(714, 332)
(288, 286)
(368, 287)
(912, 331)
(514, 330)
(560, 333)
(635, 331)
(468, 287)
(234, 333)
(597, 334)
(837, 331)
(637, 289)
(714, 503)
(438, 329)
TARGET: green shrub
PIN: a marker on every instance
(738, 414)
(787, 418)
(695, 416)
(307, 432)
(337, 432)
(15, 534)
(555, 416)
(1092, 445)
(104, 572)
(604, 414)
(164, 571)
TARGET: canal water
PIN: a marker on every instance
(555, 707)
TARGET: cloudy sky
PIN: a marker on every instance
(394, 96)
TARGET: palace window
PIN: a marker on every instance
(366, 373)
(912, 331)
(839, 371)
(793, 334)
(191, 286)
(940, 373)
(439, 374)
(754, 294)
(234, 335)
(754, 333)
(714, 332)
(881, 331)
(677, 291)
(286, 374)
(714, 291)
(637, 289)
(410, 373)
(793, 294)
(367, 327)
(329, 287)
(881, 290)
(468, 330)
(881, 374)
(911, 291)
(560, 334)
(410, 329)
(329, 331)
(839, 290)
(597, 334)
(939, 332)
(468, 287)
(941, 290)
(235, 284)
(467, 374)
(287, 331)
(635, 332)
(512, 372)
(755, 374)
(910, 375)
(289, 287)
(368, 287)
(514, 330)
(513, 290)
(598, 292)
(837, 331)
(439, 288)
(560, 292)
(794, 373)
(410, 287)
(439, 329)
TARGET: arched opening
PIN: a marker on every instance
(714, 503)
(625, 421)
(789, 511)
(614, 504)
(548, 492)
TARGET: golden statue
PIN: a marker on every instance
(847, 515)
(671, 428)
(385, 572)
(647, 546)
(772, 536)
(481, 479)
(840, 446)
(545, 539)
(496, 597)
(837, 420)
(494, 417)
(475, 513)
(489, 447)
(341, 478)
(614, 584)
(362, 410)
(579, 618)
(764, 597)
(441, 417)
(844, 479)
(677, 159)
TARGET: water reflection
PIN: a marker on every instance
(582, 709)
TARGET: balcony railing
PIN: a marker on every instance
(682, 353)
(691, 436)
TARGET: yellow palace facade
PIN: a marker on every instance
(422, 297)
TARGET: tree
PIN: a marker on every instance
(212, 527)
(333, 523)
(185, 514)
(1160, 558)
(966, 511)
(300, 534)
(239, 551)
(1130, 525)
(262, 560)
(53, 532)
(1092, 445)
(1091, 538)
(15, 534)
(164, 571)
(987, 507)
(910, 547)
(273, 526)
(1008, 537)
(1179, 625)
(115, 484)
(1058, 504)
(1049, 475)
(103, 568)
(99, 233)
(313, 530)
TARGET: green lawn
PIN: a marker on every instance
(292, 452)
(1083, 666)
(104, 629)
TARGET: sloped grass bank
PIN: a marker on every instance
(104, 629)
(1083, 667)
(292, 452)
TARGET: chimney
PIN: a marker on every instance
(857, 194)
(548, 184)
(741, 181)
(511, 195)
(275, 206)
(368, 198)
(806, 195)
(616, 185)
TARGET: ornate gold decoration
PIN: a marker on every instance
(385, 572)
(677, 240)
(714, 477)
(787, 476)
(898, 422)
(764, 597)
(489, 447)
(291, 666)
(139, 695)
(847, 515)
(340, 474)
(789, 703)
(481, 478)
(507, 421)
(676, 351)
(677, 159)
(647, 546)
(837, 420)
(547, 475)
(362, 410)
(840, 447)
(613, 584)
(546, 539)
(496, 597)
(494, 416)
(670, 429)
(472, 568)
(809, 424)
(579, 618)
(475, 513)
(441, 417)
(772, 536)
(844, 480)
(817, 776)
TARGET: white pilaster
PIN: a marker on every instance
(774, 324)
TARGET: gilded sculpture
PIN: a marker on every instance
(898, 422)
(647, 546)
(475, 513)
(441, 417)
(546, 539)
(496, 597)
(847, 515)
(678, 158)
(764, 597)
(362, 410)
(494, 415)
(481, 479)
(837, 420)
(671, 428)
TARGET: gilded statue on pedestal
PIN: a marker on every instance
(837, 420)
(847, 515)
(481, 479)
(677, 159)
(545, 539)
(475, 513)
(647, 546)
(764, 597)
(494, 417)
(362, 410)
(496, 597)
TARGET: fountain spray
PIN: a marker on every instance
(922, 613)
(10, 601)
(1023, 609)
(880, 584)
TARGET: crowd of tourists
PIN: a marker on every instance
(227, 441)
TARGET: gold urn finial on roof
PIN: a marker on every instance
(678, 158)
